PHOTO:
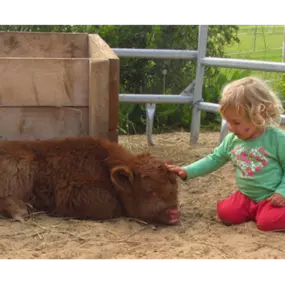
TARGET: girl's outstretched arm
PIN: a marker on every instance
(208, 164)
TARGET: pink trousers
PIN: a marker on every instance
(238, 208)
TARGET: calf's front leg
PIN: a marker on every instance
(14, 208)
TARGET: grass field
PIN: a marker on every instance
(258, 43)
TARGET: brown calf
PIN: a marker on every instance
(85, 178)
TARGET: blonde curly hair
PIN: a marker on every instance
(252, 98)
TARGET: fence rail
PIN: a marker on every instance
(244, 64)
(194, 96)
(156, 53)
(155, 98)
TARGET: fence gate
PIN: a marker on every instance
(192, 94)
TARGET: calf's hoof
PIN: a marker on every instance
(13, 208)
(18, 218)
(20, 214)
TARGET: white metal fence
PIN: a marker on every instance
(193, 93)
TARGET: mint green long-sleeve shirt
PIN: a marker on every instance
(259, 163)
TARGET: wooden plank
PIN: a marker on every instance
(42, 122)
(99, 49)
(114, 86)
(44, 82)
(99, 97)
(50, 45)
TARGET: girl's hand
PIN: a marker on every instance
(277, 200)
(177, 170)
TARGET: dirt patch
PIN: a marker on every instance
(200, 234)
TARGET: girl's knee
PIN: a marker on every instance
(229, 214)
(264, 228)
(265, 223)
(270, 218)
(224, 213)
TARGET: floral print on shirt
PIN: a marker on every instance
(250, 161)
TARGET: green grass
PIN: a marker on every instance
(258, 43)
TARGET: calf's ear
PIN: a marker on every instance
(122, 177)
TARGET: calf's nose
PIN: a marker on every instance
(173, 211)
(174, 215)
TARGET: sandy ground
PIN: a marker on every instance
(200, 234)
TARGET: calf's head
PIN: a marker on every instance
(147, 189)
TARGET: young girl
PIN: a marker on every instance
(256, 148)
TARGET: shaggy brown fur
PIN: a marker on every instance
(85, 178)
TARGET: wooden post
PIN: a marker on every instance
(105, 82)
(99, 97)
